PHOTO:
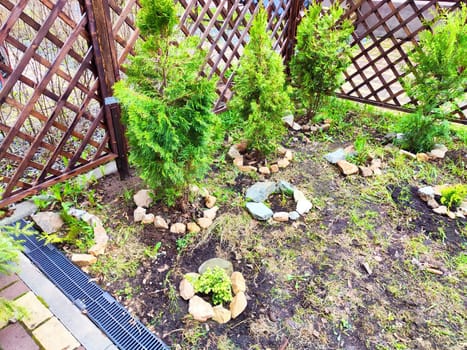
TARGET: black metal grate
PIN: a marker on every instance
(126, 332)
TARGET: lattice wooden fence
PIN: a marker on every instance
(59, 60)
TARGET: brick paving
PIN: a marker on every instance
(39, 329)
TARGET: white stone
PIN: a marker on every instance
(281, 216)
(221, 314)
(159, 222)
(288, 155)
(193, 227)
(138, 214)
(283, 163)
(298, 195)
(148, 219)
(210, 201)
(426, 193)
(233, 152)
(238, 304)
(200, 309)
(143, 198)
(442, 210)
(211, 213)
(288, 120)
(303, 206)
(83, 260)
(48, 221)
(238, 282)
(264, 170)
(187, 291)
(204, 222)
(178, 228)
(408, 154)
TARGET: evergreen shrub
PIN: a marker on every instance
(322, 54)
(437, 80)
(171, 129)
(260, 96)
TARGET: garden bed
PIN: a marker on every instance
(370, 266)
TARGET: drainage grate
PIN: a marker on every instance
(113, 319)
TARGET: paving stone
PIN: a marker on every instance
(6, 280)
(15, 290)
(15, 337)
(52, 335)
(37, 312)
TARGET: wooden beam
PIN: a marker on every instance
(100, 27)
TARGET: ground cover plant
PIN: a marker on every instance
(370, 267)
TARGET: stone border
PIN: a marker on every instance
(259, 192)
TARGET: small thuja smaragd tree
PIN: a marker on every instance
(168, 105)
(260, 97)
(437, 81)
(322, 54)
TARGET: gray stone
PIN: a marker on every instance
(293, 216)
(303, 206)
(143, 198)
(216, 262)
(260, 191)
(48, 221)
(286, 188)
(234, 152)
(296, 127)
(432, 203)
(337, 155)
(288, 120)
(259, 211)
(426, 193)
(77, 213)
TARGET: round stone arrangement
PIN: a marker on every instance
(260, 191)
(429, 194)
(200, 309)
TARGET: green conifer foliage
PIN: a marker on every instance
(171, 129)
(322, 54)
(260, 97)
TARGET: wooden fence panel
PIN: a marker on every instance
(59, 59)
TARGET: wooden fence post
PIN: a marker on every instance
(105, 55)
(293, 20)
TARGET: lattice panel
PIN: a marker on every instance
(51, 118)
(386, 31)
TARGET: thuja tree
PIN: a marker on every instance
(322, 54)
(260, 97)
(168, 105)
(437, 80)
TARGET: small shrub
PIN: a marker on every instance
(217, 282)
(421, 132)
(438, 80)
(260, 97)
(452, 196)
(361, 151)
(171, 129)
(322, 54)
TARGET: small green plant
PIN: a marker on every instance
(151, 252)
(171, 129)
(322, 54)
(421, 131)
(79, 233)
(260, 97)
(452, 196)
(216, 282)
(10, 311)
(361, 151)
